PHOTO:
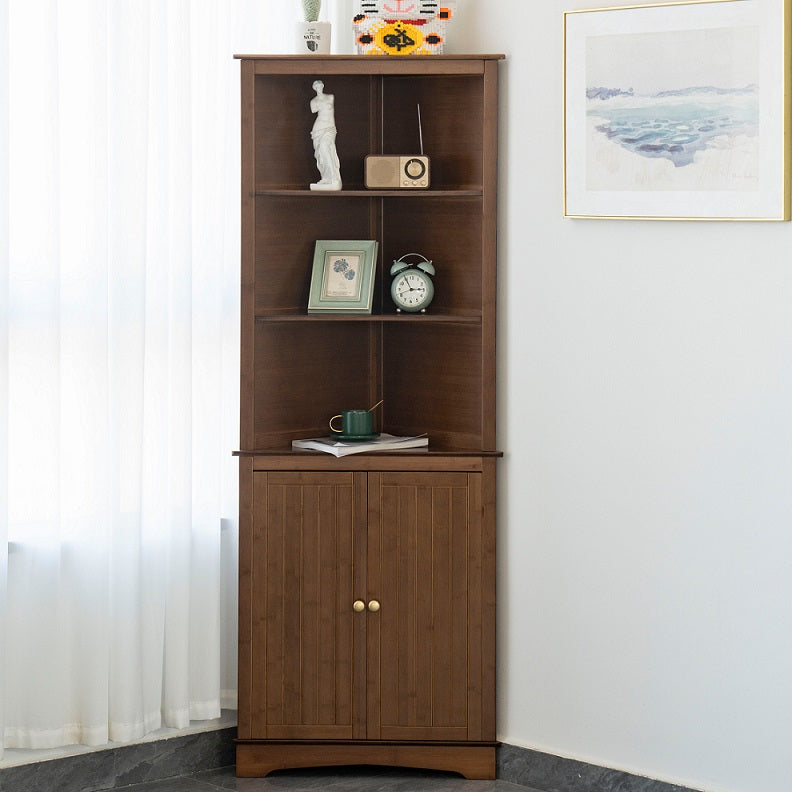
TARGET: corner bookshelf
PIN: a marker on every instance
(435, 373)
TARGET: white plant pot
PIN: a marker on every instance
(313, 38)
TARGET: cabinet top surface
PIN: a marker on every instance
(402, 65)
(369, 58)
(396, 461)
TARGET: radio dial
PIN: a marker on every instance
(415, 168)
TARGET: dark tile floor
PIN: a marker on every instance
(365, 779)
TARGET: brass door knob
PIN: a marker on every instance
(373, 606)
(358, 606)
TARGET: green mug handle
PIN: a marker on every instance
(332, 428)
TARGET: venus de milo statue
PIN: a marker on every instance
(323, 136)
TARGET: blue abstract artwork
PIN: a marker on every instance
(676, 124)
(687, 100)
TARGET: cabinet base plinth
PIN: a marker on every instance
(256, 759)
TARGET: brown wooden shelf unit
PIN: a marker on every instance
(367, 583)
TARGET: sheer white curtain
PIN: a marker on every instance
(119, 251)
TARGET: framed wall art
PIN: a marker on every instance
(342, 279)
(678, 111)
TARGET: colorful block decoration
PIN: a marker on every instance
(402, 27)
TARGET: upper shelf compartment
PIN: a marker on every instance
(374, 114)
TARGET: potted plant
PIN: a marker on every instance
(313, 36)
(311, 10)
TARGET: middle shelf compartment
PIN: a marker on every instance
(446, 230)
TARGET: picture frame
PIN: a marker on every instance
(342, 279)
(678, 111)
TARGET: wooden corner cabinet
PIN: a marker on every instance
(367, 582)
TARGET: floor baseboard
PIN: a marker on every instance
(548, 773)
(124, 765)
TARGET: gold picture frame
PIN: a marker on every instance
(678, 111)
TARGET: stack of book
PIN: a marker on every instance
(339, 448)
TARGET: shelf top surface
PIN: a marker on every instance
(361, 192)
(396, 318)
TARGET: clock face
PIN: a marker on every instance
(412, 290)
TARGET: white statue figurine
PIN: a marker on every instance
(323, 136)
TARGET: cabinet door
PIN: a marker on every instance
(308, 643)
(425, 641)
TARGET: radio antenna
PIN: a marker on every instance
(420, 130)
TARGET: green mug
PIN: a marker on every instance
(354, 423)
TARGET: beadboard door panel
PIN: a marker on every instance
(303, 589)
(423, 555)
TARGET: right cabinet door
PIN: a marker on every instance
(425, 655)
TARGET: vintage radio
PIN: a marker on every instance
(400, 171)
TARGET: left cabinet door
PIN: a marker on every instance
(308, 642)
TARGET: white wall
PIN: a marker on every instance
(645, 600)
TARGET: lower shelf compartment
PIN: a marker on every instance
(256, 759)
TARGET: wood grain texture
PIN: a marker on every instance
(284, 150)
(489, 257)
(247, 521)
(451, 115)
(302, 594)
(299, 405)
(382, 461)
(488, 510)
(447, 231)
(471, 761)
(248, 257)
(432, 383)
(450, 65)
(285, 252)
(421, 559)
(360, 571)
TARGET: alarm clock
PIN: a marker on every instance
(412, 289)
